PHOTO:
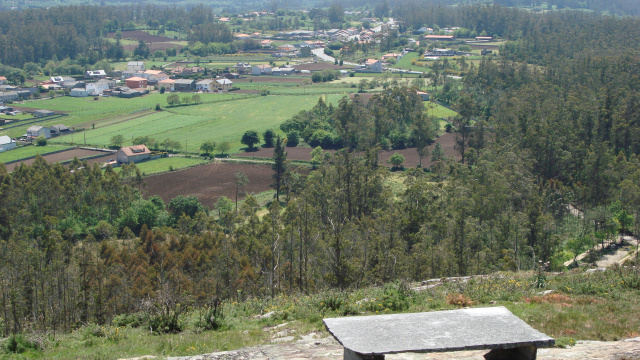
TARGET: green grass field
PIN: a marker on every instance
(88, 111)
(192, 125)
(439, 111)
(23, 152)
(405, 63)
(166, 164)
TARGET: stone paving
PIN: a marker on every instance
(318, 347)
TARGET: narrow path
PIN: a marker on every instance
(619, 256)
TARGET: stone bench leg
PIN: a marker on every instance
(350, 355)
(525, 352)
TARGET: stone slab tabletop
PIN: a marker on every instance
(451, 330)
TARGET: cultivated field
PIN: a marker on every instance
(155, 42)
(209, 182)
(69, 155)
(23, 152)
(447, 141)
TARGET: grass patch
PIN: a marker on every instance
(439, 111)
(86, 111)
(168, 164)
(27, 151)
(192, 125)
(598, 306)
(405, 63)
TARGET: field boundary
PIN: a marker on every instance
(33, 157)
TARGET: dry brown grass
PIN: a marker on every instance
(459, 300)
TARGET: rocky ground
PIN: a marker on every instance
(319, 347)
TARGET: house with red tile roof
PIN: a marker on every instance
(133, 154)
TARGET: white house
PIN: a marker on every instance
(204, 85)
(79, 92)
(6, 143)
(261, 70)
(37, 130)
(97, 88)
(224, 84)
(8, 96)
(95, 74)
(136, 66)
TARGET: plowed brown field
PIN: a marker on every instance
(209, 182)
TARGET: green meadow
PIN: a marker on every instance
(23, 152)
(192, 125)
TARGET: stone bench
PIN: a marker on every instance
(494, 328)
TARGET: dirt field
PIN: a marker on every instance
(208, 182)
(272, 80)
(155, 42)
(447, 141)
(319, 66)
(68, 155)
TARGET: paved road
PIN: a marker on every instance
(319, 52)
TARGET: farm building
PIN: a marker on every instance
(388, 56)
(133, 154)
(43, 113)
(243, 68)
(281, 71)
(6, 143)
(95, 74)
(37, 130)
(79, 92)
(440, 37)
(286, 47)
(60, 129)
(423, 95)
(373, 65)
(136, 82)
(136, 66)
(184, 85)
(155, 78)
(204, 85)
(8, 96)
(484, 38)
(224, 84)
(264, 69)
(168, 84)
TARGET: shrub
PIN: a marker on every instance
(41, 140)
(165, 323)
(132, 320)
(211, 318)
(331, 301)
(17, 344)
(396, 297)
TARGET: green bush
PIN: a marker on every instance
(17, 344)
(331, 301)
(165, 323)
(211, 317)
(41, 140)
(131, 320)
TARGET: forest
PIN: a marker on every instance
(554, 122)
